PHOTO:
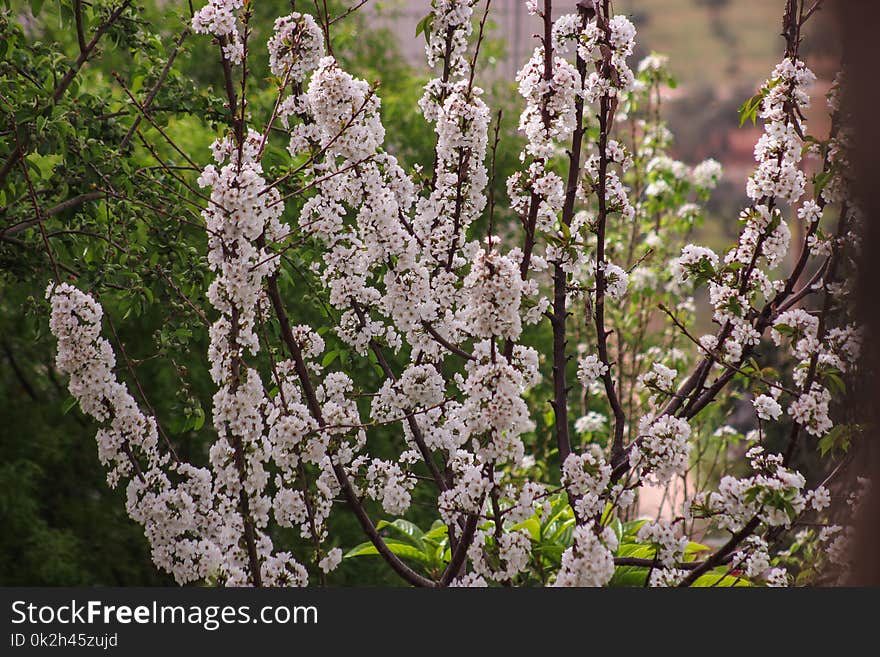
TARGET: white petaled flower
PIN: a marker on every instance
(184, 530)
(411, 290)
(774, 494)
(511, 555)
(616, 281)
(809, 211)
(819, 498)
(296, 47)
(767, 408)
(667, 577)
(659, 377)
(709, 342)
(810, 410)
(777, 577)
(553, 101)
(590, 559)
(653, 62)
(345, 111)
(219, 18)
(694, 260)
(493, 291)
(663, 448)
(450, 21)
(585, 477)
(469, 580)
(667, 539)
(779, 150)
(330, 562)
(590, 423)
(802, 330)
(707, 174)
(590, 368)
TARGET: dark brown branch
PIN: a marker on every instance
(414, 428)
(19, 373)
(723, 554)
(130, 367)
(148, 101)
(407, 573)
(458, 351)
(38, 211)
(144, 114)
(80, 31)
(50, 212)
(605, 117)
(560, 277)
(458, 556)
(348, 12)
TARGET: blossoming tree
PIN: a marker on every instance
(423, 281)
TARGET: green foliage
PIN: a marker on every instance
(550, 531)
(428, 551)
(748, 111)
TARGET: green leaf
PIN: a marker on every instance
(424, 26)
(403, 550)
(532, 526)
(68, 404)
(552, 552)
(719, 577)
(436, 533)
(632, 527)
(199, 421)
(566, 231)
(405, 531)
(695, 549)
(836, 440)
(835, 382)
(617, 527)
(329, 357)
(629, 576)
(820, 180)
(636, 550)
(749, 109)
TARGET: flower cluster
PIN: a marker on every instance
(663, 448)
(767, 407)
(493, 290)
(590, 368)
(185, 533)
(667, 539)
(586, 477)
(448, 31)
(549, 115)
(774, 495)
(779, 149)
(608, 44)
(695, 261)
(220, 18)
(501, 559)
(590, 559)
(296, 47)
